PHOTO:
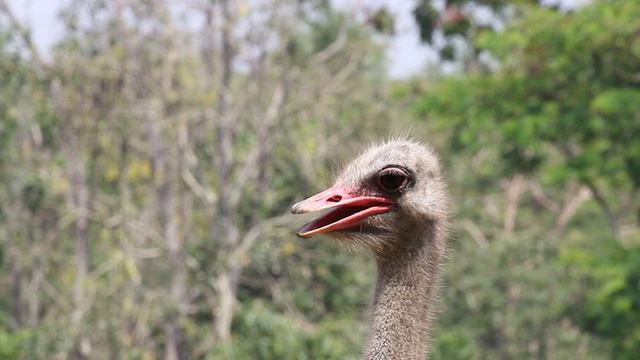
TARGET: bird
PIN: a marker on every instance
(391, 200)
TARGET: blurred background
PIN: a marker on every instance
(150, 151)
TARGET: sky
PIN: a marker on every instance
(41, 17)
(405, 54)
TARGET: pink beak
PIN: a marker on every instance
(348, 210)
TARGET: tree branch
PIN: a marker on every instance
(608, 212)
(253, 234)
(475, 233)
(542, 199)
(569, 209)
(512, 190)
(334, 47)
(570, 150)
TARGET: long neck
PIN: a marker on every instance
(404, 299)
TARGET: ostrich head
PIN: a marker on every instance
(386, 199)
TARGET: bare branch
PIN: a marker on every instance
(334, 47)
(200, 191)
(53, 292)
(569, 209)
(252, 163)
(253, 234)
(475, 233)
(541, 198)
(513, 190)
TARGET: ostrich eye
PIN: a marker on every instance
(392, 179)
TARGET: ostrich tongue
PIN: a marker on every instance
(348, 210)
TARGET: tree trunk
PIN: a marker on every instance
(513, 190)
(164, 170)
(79, 203)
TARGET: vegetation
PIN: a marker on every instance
(148, 163)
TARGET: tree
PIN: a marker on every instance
(166, 153)
(557, 93)
(559, 117)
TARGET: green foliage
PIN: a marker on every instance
(382, 21)
(608, 304)
(554, 89)
(451, 28)
(33, 194)
(426, 16)
(275, 336)
(13, 345)
(454, 345)
(505, 301)
(562, 108)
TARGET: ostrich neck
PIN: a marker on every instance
(404, 299)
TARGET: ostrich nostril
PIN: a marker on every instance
(335, 198)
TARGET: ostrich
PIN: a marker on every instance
(392, 201)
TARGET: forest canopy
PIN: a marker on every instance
(148, 163)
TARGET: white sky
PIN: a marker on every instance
(42, 17)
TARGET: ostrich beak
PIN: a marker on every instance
(348, 210)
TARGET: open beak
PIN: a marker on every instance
(348, 210)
